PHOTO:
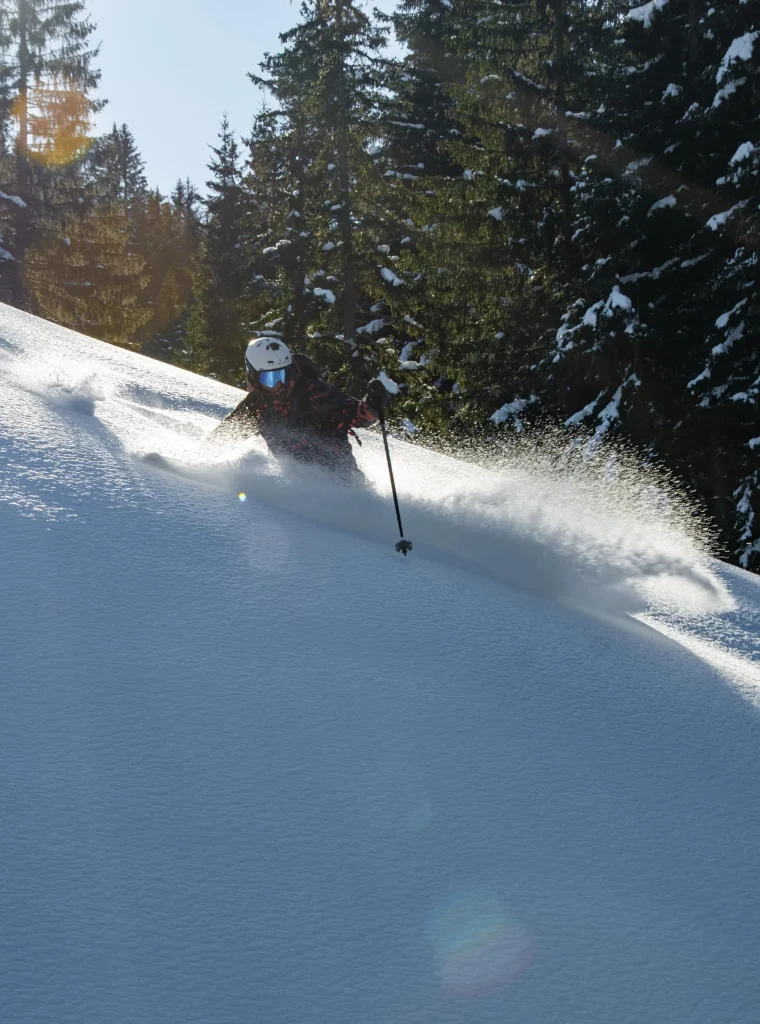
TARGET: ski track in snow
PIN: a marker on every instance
(256, 766)
(552, 535)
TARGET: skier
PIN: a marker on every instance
(296, 412)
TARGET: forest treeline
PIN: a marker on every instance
(526, 212)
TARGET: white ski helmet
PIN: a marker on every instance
(266, 354)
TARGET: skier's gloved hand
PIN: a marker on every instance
(377, 396)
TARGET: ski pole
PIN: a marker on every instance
(404, 546)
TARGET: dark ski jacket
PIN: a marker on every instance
(308, 420)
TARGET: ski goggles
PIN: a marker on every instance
(271, 378)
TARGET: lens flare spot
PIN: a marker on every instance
(242, 496)
(478, 947)
(57, 114)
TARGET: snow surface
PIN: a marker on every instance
(257, 767)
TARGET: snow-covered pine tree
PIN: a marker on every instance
(593, 374)
(327, 82)
(217, 330)
(725, 425)
(498, 248)
(423, 109)
(280, 225)
(660, 262)
(413, 158)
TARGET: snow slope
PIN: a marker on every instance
(254, 766)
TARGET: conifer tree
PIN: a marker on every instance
(218, 325)
(496, 246)
(49, 81)
(423, 112)
(172, 238)
(327, 82)
(9, 212)
(660, 261)
(280, 225)
(415, 161)
(725, 367)
(166, 236)
(86, 274)
(117, 168)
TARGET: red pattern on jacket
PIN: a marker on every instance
(308, 419)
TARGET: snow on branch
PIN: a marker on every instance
(662, 204)
(728, 89)
(577, 418)
(617, 300)
(511, 411)
(17, 200)
(722, 320)
(390, 277)
(373, 327)
(646, 12)
(740, 49)
(390, 385)
(731, 337)
(720, 218)
(745, 150)
(611, 411)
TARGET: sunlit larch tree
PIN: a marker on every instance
(49, 83)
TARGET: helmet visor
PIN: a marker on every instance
(271, 378)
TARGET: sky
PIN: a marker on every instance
(171, 68)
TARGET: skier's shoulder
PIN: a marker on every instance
(307, 366)
(321, 393)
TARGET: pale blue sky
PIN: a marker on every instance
(172, 67)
